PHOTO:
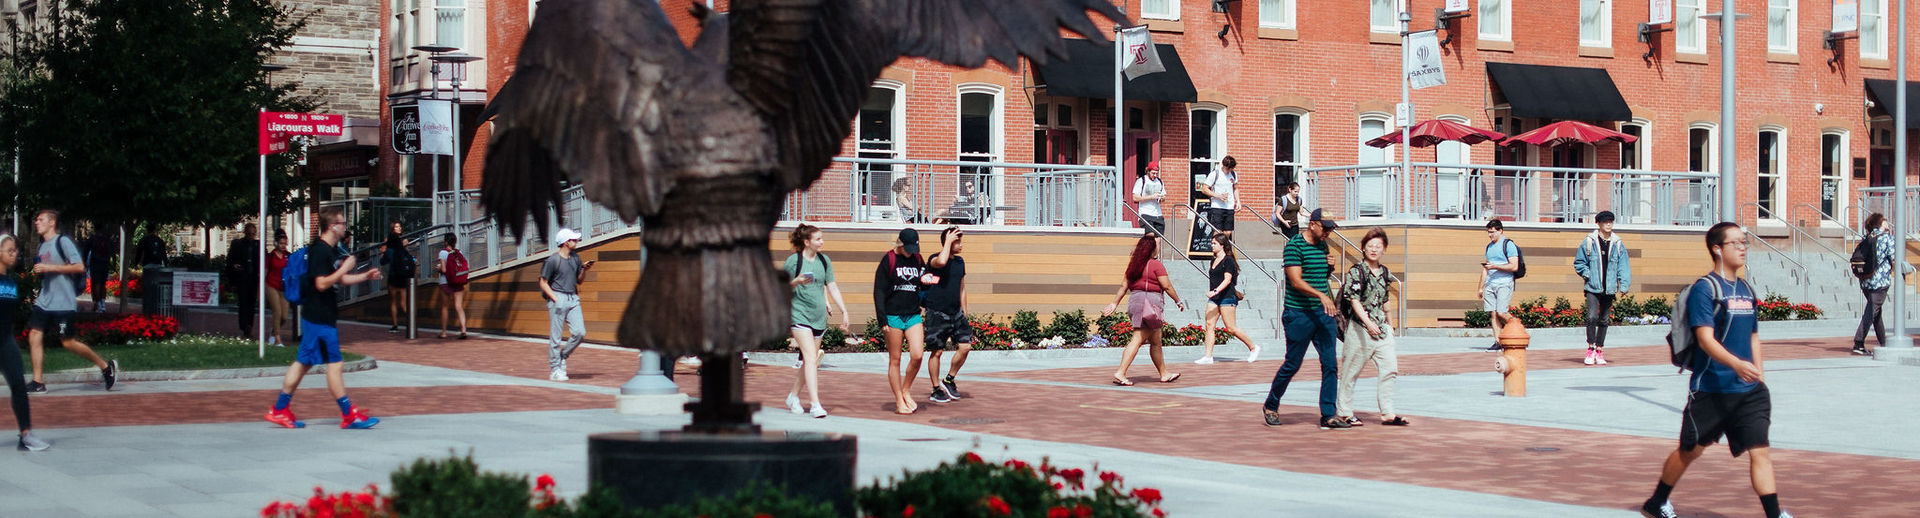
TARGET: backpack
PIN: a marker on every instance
(79, 279)
(1681, 341)
(1864, 262)
(292, 274)
(403, 265)
(456, 268)
(1521, 272)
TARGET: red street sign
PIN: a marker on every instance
(275, 127)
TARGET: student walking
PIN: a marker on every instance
(560, 277)
(1497, 274)
(100, 251)
(401, 268)
(452, 267)
(59, 265)
(1287, 208)
(327, 268)
(947, 325)
(9, 351)
(1145, 290)
(897, 284)
(243, 266)
(1727, 393)
(1148, 192)
(1308, 319)
(1369, 332)
(152, 251)
(1220, 187)
(1603, 261)
(1874, 286)
(813, 285)
(1223, 299)
(277, 290)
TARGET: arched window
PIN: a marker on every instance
(1833, 173)
(878, 135)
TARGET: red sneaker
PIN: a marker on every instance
(284, 417)
(357, 420)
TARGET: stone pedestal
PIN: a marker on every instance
(651, 469)
(650, 392)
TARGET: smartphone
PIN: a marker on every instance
(807, 275)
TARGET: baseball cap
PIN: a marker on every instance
(1325, 222)
(910, 239)
(565, 235)
(1153, 165)
(1605, 216)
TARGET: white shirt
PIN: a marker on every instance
(443, 260)
(1149, 187)
(1222, 181)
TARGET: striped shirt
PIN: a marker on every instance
(1312, 260)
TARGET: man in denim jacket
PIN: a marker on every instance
(1602, 260)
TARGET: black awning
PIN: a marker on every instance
(1087, 72)
(1566, 93)
(1882, 92)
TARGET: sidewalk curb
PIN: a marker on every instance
(91, 375)
(787, 358)
(1563, 332)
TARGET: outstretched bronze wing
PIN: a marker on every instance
(806, 64)
(585, 106)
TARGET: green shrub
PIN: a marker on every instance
(1656, 306)
(1478, 318)
(1071, 326)
(454, 486)
(1561, 304)
(969, 486)
(1623, 307)
(756, 500)
(1026, 327)
(1115, 327)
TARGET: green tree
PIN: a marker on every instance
(143, 111)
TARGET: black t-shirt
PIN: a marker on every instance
(1606, 247)
(896, 284)
(1219, 273)
(319, 306)
(945, 296)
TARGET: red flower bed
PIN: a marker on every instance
(129, 328)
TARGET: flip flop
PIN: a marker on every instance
(1176, 377)
(1396, 421)
(1121, 382)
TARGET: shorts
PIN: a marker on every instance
(319, 345)
(1224, 300)
(1497, 298)
(948, 331)
(1155, 224)
(1221, 219)
(903, 322)
(449, 289)
(817, 333)
(56, 323)
(1742, 418)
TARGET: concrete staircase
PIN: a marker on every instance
(1813, 275)
(1258, 314)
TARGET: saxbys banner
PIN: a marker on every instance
(1423, 61)
(436, 127)
(276, 127)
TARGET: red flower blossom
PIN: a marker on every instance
(544, 482)
(908, 512)
(973, 458)
(1146, 494)
(1082, 511)
(998, 506)
(1157, 513)
(1109, 477)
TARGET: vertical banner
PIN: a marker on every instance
(1423, 63)
(1846, 15)
(1659, 12)
(1142, 57)
(1457, 6)
(436, 127)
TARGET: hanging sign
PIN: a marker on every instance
(1456, 6)
(1659, 12)
(406, 129)
(1846, 15)
(436, 127)
(276, 127)
(1423, 60)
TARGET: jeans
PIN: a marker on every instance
(1304, 326)
(1599, 313)
(1870, 317)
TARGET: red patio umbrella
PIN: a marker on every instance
(1569, 132)
(1431, 132)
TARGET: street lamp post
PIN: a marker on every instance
(458, 63)
(433, 71)
(1899, 347)
(1728, 193)
(260, 249)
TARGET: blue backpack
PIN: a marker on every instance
(293, 274)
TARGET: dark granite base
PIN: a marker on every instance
(651, 469)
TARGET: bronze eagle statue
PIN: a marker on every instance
(703, 143)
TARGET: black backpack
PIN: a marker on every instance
(1864, 262)
(1520, 272)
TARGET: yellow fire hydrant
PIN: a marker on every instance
(1512, 364)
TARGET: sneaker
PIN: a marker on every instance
(284, 418)
(1785, 514)
(35, 387)
(1273, 417)
(819, 411)
(1494, 347)
(940, 395)
(1599, 357)
(1253, 354)
(558, 375)
(393, 329)
(1665, 510)
(1355, 421)
(793, 403)
(953, 391)
(1589, 356)
(1334, 423)
(108, 374)
(28, 442)
(1204, 360)
(357, 420)
(1861, 350)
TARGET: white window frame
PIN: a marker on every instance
(1780, 201)
(1393, 17)
(1842, 171)
(1697, 44)
(1277, 14)
(1711, 162)
(996, 136)
(406, 33)
(1372, 179)
(1172, 12)
(1500, 10)
(1873, 45)
(1219, 133)
(896, 149)
(452, 5)
(1302, 141)
(1792, 11)
(1634, 210)
(1605, 29)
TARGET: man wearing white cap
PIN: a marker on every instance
(560, 280)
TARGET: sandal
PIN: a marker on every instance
(463, 336)
(1123, 382)
(1396, 421)
(1176, 377)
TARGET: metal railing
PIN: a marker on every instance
(1824, 217)
(1798, 273)
(1879, 199)
(1513, 193)
(864, 190)
(1166, 242)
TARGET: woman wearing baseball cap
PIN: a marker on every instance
(896, 297)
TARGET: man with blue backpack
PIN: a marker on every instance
(311, 276)
(1727, 393)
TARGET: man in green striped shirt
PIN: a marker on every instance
(1308, 318)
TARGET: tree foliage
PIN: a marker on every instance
(145, 112)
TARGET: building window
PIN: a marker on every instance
(1873, 29)
(1056, 131)
(980, 138)
(450, 23)
(1689, 30)
(1450, 183)
(1289, 147)
(1772, 169)
(1384, 16)
(1833, 173)
(1369, 188)
(1596, 23)
(1276, 14)
(1633, 155)
(1495, 19)
(1207, 126)
(1160, 9)
(880, 128)
(1632, 195)
(1702, 148)
(1781, 26)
